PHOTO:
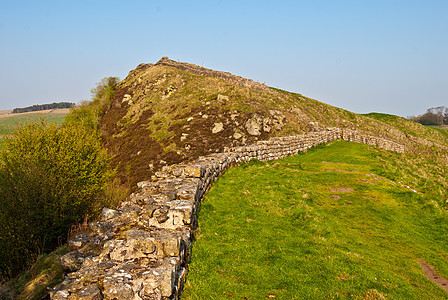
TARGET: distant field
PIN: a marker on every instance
(9, 121)
(345, 221)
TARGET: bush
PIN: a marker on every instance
(84, 115)
(50, 178)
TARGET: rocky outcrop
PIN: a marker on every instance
(141, 249)
(201, 71)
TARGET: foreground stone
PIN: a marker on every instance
(141, 249)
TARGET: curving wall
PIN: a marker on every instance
(141, 249)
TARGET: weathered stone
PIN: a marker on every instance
(237, 135)
(266, 124)
(78, 242)
(161, 214)
(218, 127)
(130, 213)
(160, 279)
(115, 287)
(107, 213)
(59, 295)
(91, 292)
(222, 98)
(125, 253)
(140, 240)
(162, 218)
(148, 209)
(72, 261)
(194, 171)
(100, 227)
(194, 69)
(253, 125)
(169, 194)
(183, 136)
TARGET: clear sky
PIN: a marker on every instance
(386, 56)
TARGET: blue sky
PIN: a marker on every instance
(364, 56)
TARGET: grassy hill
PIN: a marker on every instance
(342, 221)
(171, 112)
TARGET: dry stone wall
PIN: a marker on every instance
(201, 71)
(140, 250)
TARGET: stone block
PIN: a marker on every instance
(72, 261)
(194, 171)
(91, 292)
(141, 241)
(117, 287)
(108, 214)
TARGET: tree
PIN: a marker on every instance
(433, 116)
(105, 88)
(88, 113)
(50, 178)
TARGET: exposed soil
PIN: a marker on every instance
(432, 275)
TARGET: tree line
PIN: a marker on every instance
(39, 107)
(433, 116)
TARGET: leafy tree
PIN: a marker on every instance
(88, 113)
(50, 178)
(105, 89)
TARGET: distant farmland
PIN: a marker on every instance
(9, 121)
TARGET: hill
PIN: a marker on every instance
(169, 112)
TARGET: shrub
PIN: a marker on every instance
(50, 178)
(84, 115)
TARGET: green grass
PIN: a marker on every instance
(8, 124)
(329, 224)
(441, 129)
(33, 283)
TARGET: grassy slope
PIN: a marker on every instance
(168, 115)
(33, 283)
(338, 222)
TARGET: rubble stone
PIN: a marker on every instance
(90, 292)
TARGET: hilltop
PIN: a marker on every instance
(169, 112)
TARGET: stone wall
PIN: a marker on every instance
(197, 70)
(141, 249)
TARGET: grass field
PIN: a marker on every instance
(342, 221)
(9, 122)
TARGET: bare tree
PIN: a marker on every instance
(433, 116)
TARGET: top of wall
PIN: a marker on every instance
(201, 71)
